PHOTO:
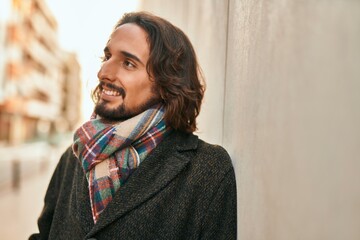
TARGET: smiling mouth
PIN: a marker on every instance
(111, 92)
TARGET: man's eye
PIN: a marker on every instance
(105, 58)
(129, 64)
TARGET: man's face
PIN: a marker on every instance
(125, 85)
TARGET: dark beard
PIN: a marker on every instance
(121, 113)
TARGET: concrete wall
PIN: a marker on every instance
(283, 98)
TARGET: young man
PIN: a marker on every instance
(135, 170)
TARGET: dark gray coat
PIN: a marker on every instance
(184, 189)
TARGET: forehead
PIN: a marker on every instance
(131, 38)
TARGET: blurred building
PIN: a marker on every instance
(40, 83)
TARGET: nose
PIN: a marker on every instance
(105, 73)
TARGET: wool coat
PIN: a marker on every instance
(184, 189)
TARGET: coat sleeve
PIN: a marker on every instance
(46, 216)
(220, 221)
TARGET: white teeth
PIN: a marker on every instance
(111, 93)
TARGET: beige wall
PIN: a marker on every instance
(283, 98)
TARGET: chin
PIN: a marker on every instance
(111, 113)
(121, 112)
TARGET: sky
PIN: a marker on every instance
(84, 27)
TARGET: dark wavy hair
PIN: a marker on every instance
(174, 68)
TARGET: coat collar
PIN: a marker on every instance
(154, 173)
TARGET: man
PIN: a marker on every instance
(135, 170)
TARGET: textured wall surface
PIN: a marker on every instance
(283, 98)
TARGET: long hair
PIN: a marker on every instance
(173, 66)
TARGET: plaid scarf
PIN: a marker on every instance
(109, 153)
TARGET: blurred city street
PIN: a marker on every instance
(21, 205)
(40, 92)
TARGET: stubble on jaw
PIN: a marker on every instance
(122, 112)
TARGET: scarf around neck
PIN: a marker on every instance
(109, 153)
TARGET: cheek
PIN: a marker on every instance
(139, 84)
(141, 94)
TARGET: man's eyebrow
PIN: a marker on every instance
(132, 56)
(126, 54)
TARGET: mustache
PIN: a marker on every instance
(114, 87)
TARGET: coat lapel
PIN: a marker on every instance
(82, 201)
(153, 174)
